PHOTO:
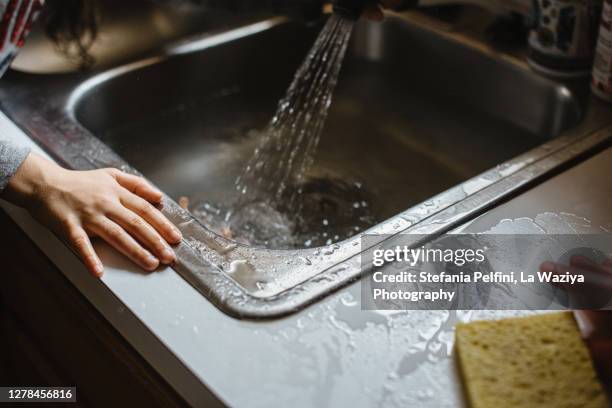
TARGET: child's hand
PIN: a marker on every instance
(596, 325)
(107, 203)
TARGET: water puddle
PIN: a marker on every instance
(332, 210)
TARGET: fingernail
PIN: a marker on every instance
(99, 269)
(169, 255)
(176, 234)
(152, 261)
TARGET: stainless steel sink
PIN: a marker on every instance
(413, 114)
(434, 129)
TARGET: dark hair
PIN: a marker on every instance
(73, 26)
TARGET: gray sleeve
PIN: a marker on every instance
(11, 157)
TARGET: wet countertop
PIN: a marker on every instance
(329, 354)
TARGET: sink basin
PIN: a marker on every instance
(428, 130)
(413, 115)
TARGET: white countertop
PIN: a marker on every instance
(331, 353)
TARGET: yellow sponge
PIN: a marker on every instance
(537, 361)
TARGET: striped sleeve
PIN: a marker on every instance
(16, 18)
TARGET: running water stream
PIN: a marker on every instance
(288, 143)
(271, 209)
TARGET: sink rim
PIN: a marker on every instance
(343, 266)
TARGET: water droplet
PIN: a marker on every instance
(306, 260)
(328, 250)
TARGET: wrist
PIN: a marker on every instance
(28, 183)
